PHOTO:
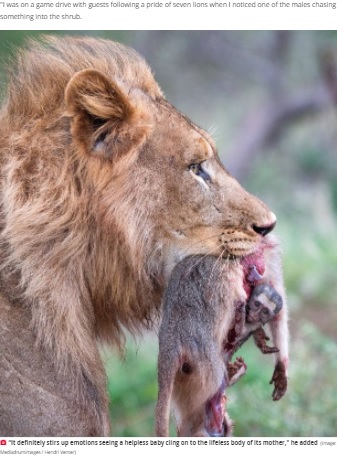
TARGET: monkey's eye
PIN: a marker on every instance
(265, 311)
(257, 304)
(199, 171)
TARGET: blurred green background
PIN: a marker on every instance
(270, 100)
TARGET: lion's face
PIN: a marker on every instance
(190, 202)
(202, 208)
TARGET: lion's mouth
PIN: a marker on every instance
(253, 268)
(239, 247)
(244, 242)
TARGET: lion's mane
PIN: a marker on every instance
(65, 257)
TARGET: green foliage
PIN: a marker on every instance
(310, 264)
(132, 386)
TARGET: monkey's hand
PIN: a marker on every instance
(280, 381)
(260, 339)
(236, 370)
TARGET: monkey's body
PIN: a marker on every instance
(204, 322)
(191, 365)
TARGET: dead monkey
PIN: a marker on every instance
(204, 321)
(196, 366)
(192, 372)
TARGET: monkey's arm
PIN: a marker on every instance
(279, 330)
(279, 324)
(260, 339)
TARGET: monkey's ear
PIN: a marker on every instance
(104, 120)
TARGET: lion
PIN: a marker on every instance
(105, 187)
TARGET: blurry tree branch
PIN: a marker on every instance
(264, 127)
(328, 65)
(277, 68)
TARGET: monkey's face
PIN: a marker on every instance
(260, 309)
(263, 305)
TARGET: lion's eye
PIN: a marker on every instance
(198, 170)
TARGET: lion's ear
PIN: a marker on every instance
(104, 121)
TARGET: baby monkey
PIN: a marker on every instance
(262, 306)
(204, 303)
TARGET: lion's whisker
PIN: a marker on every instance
(200, 258)
(196, 243)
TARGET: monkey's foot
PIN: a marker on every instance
(236, 370)
(280, 381)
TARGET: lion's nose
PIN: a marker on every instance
(263, 230)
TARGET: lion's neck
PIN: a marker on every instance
(126, 292)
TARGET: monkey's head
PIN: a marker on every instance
(264, 304)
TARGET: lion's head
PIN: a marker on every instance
(187, 200)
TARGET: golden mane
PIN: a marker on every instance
(62, 258)
(41, 71)
(53, 235)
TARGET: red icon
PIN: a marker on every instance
(3, 442)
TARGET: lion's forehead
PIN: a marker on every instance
(197, 148)
(205, 147)
(182, 138)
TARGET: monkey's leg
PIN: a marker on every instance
(260, 339)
